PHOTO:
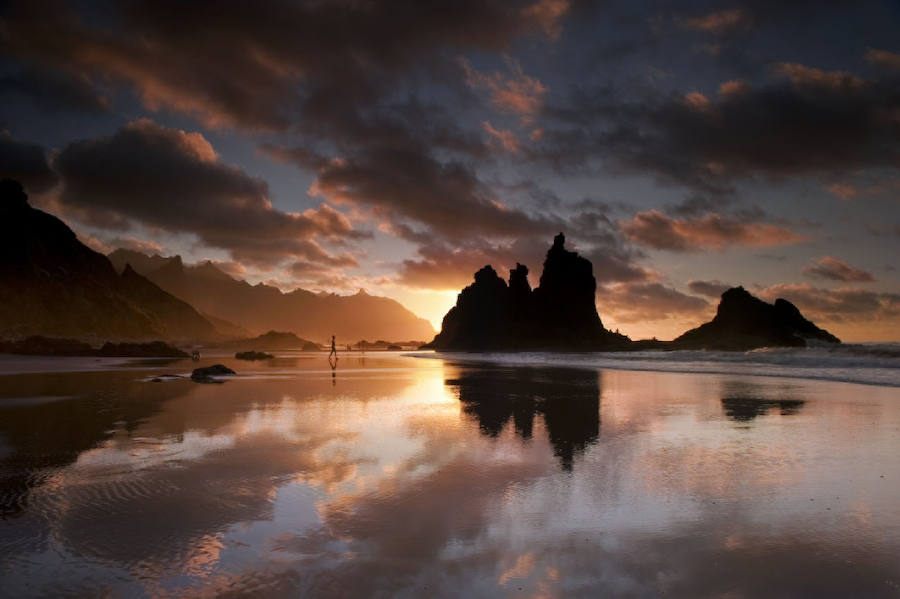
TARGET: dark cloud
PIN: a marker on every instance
(408, 183)
(717, 22)
(837, 305)
(53, 90)
(233, 63)
(835, 269)
(712, 289)
(802, 121)
(26, 163)
(654, 229)
(883, 58)
(168, 179)
(343, 77)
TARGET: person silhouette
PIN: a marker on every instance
(333, 351)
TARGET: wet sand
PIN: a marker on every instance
(394, 476)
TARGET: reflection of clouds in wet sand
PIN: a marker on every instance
(455, 481)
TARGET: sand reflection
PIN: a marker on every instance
(405, 477)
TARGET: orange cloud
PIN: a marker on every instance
(803, 75)
(843, 191)
(883, 58)
(507, 139)
(734, 87)
(696, 100)
(547, 14)
(516, 93)
(835, 269)
(654, 229)
(717, 22)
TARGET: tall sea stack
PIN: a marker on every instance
(560, 314)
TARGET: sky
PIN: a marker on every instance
(399, 146)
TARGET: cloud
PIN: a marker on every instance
(445, 268)
(883, 58)
(516, 93)
(254, 66)
(850, 304)
(844, 191)
(399, 182)
(26, 163)
(647, 301)
(654, 229)
(803, 122)
(735, 86)
(718, 22)
(548, 14)
(54, 90)
(837, 270)
(507, 139)
(713, 289)
(168, 179)
(803, 75)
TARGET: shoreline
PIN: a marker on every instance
(704, 363)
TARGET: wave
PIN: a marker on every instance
(865, 363)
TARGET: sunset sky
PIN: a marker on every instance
(399, 146)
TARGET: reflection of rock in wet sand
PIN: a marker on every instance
(568, 400)
(744, 409)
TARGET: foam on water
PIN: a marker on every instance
(866, 363)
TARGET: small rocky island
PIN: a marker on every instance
(559, 314)
(744, 322)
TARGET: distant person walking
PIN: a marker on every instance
(333, 351)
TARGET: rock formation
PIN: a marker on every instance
(52, 284)
(251, 355)
(559, 314)
(744, 322)
(38, 345)
(211, 374)
(270, 340)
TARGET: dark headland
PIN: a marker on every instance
(560, 314)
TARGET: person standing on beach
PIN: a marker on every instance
(333, 351)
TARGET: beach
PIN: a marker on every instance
(427, 475)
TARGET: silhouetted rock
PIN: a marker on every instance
(270, 340)
(744, 322)
(153, 349)
(52, 284)
(208, 374)
(37, 345)
(253, 355)
(559, 314)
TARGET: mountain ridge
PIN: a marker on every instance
(260, 308)
(55, 285)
